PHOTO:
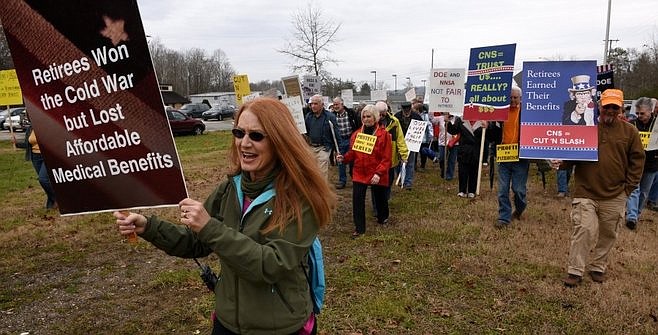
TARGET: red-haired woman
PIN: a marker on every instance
(260, 222)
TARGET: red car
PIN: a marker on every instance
(183, 124)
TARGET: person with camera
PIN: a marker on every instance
(260, 222)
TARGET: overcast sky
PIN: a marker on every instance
(397, 37)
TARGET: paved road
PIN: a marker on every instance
(210, 126)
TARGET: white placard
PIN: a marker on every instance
(250, 97)
(410, 94)
(446, 91)
(377, 95)
(296, 110)
(415, 135)
(348, 98)
(311, 86)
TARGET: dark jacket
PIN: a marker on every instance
(262, 288)
(469, 143)
(651, 160)
(355, 123)
(318, 129)
(406, 121)
(26, 144)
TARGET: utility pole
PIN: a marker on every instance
(607, 35)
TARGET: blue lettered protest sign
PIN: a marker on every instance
(489, 83)
(559, 111)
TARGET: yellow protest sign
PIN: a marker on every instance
(644, 137)
(10, 90)
(241, 87)
(507, 153)
(364, 143)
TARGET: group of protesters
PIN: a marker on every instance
(268, 155)
(605, 192)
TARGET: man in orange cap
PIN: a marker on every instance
(601, 189)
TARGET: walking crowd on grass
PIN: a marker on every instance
(606, 193)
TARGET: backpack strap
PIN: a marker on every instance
(315, 274)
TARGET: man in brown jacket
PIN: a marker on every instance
(601, 189)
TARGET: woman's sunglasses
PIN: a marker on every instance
(254, 135)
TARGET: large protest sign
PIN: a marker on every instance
(489, 83)
(446, 92)
(91, 92)
(293, 87)
(558, 111)
(10, 89)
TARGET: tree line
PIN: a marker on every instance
(195, 71)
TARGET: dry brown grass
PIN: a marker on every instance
(439, 267)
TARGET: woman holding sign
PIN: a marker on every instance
(468, 157)
(260, 222)
(370, 151)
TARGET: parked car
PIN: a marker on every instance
(15, 119)
(218, 112)
(194, 109)
(183, 124)
(25, 120)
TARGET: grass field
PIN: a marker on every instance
(439, 267)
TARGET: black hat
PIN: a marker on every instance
(406, 104)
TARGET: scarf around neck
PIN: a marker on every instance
(253, 189)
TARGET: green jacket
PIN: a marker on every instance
(400, 150)
(262, 288)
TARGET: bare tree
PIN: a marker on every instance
(221, 72)
(312, 37)
(192, 71)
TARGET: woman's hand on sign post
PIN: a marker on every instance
(130, 224)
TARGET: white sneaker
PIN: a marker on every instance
(471, 195)
(461, 195)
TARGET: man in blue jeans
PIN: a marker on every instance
(347, 123)
(563, 177)
(514, 173)
(638, 197)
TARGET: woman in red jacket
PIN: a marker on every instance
(370, 151)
